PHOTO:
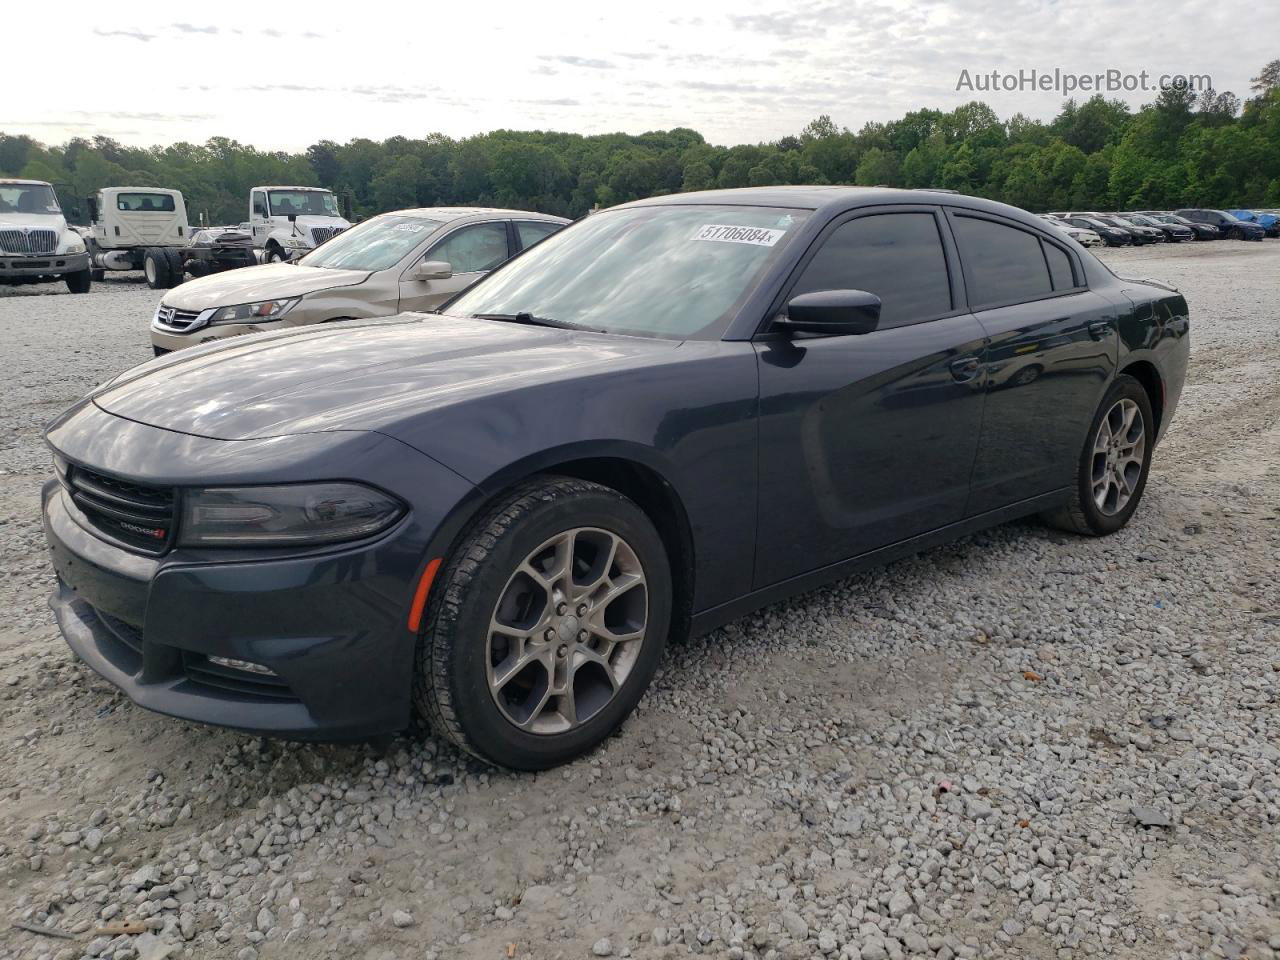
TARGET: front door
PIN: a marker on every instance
(870, 438)
(472, 251)
(1050, 356)
(259, 221)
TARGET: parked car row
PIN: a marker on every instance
(1156, 226)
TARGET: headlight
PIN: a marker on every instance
(75, 246)
(305, 513)
(297, 243)
(254, 312)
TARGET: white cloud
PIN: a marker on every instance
(738, 70)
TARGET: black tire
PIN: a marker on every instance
(274, 254)
(97, 274)
(79, 282)
(155, 266)
(1081, 514)
(177, 270)
(451, 691)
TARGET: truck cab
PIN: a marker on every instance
(36, 244)
(136, 217)
(286, 222)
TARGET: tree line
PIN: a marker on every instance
(1186, 148)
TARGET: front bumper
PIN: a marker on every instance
(330, 624)
(166, 340)
(340, 653)
(42, 265)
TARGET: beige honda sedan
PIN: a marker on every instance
(389, 264)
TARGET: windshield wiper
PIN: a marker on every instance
(529, 319)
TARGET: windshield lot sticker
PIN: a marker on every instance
(409, 227)
(757, 236)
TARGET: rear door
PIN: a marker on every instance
(472, 250)
(869, 440)
(1050, 356)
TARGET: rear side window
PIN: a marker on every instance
(145, 202)
(1003, 264)
(1060, 271)
(896, 256)
(531, 231)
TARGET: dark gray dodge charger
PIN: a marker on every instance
(493, 519)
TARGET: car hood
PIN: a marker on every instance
(36, 221)
(269, 281)
(356, 376)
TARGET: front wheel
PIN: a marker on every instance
(545, 626)
(80, 281)
(275, 255)
(1111, 473)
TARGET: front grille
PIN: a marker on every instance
(28, 241)
(200, 669)
(138, 516)
(176, 319)
(320, 234)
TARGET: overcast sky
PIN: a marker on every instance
(281, 75)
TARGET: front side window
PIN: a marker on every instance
(28, 198)
(678, 271)
(896, 256)
(310, 203)
(376, 244)
(474, 249)
(1004, 264)
(259, 204)
(145, 202)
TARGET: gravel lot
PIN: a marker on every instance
(1023, 745)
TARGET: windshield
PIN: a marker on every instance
(1229, 217)
(28, 198)
(665, 271)
(376, 244)
(311, 203)
(1143, 221)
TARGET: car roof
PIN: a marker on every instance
(831, 199)
(456, 213)
(286, 186)
(29, 183)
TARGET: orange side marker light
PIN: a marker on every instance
(420, 595)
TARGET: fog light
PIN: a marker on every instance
(244, 665)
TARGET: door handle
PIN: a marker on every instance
(1099, 329)
(965, 369)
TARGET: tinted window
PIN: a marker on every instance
(1004, 264)
(473, 249)
(896, 256)
(531, 231)
(1059, 267)
(259, 204)
(145, 202)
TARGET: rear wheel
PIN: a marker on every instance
(79, 282)
(155, 266)
(546, 625)
(1111, 474)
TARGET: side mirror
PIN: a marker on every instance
(293, 218)
(832, 312)
(431, 270)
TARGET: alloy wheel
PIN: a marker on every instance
(1119, 452)
(566, 631)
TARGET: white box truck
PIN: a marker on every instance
(36, 245)
(286, 222)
